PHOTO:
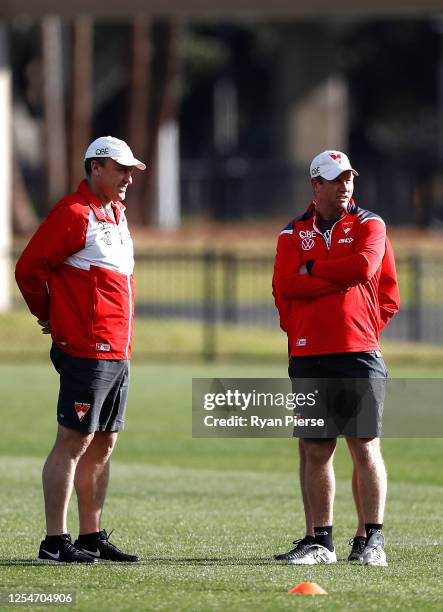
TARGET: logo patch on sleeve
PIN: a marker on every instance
(301, 342)
(81, 409)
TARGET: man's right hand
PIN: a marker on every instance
(46, 328)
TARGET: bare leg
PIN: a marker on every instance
(320, 480)
(372, 480)
(91, 480)
(355, 491)
(361, 531)
(307, 509)
(58, 476)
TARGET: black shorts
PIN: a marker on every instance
(347, 394)
(93, 392)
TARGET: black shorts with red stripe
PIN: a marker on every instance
(93, 392)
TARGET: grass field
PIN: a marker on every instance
(158, 339)
(207, 515)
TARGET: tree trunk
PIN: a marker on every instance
(24, 217)
(80, 128)
(54, 109)
(167, 101)
(138, 129)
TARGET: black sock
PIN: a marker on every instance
(323, 536)
(89, 538)
(309, 539)
(373, 528)
(52, 541)
(53, 538)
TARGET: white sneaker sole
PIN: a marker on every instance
(375, 563)
(311, 561)
(54, 562)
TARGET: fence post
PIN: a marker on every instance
(209, 306)
(229, 288)
(415, 324)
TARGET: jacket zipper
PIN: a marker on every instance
(328, 247)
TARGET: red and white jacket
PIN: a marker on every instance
(351, 292)
(76, 273)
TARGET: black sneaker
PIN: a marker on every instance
(301, 546)
(61, 550)
(101, 548)
(358, 545)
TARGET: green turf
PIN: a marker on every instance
(157, 339)
(207, 515)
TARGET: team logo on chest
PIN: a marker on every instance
(106, 233)
(346, 227)
(307, 239)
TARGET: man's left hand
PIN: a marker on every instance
(46, 328)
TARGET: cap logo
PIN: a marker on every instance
(335, 156)
(315, 171)
(104, 151)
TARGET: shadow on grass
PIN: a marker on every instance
(155, 561)
(209, 560)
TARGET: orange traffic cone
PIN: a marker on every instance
(308, 588)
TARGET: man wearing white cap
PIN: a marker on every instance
(76, 278)
(335, 288)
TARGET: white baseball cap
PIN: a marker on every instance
(330, 164)
(118, 150)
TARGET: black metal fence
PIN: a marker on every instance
(236, 290)
(219, 304)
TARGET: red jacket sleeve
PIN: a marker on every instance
(388, 291)
(283, 307)
(288, 283)
(60, 235)
(363, 263)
